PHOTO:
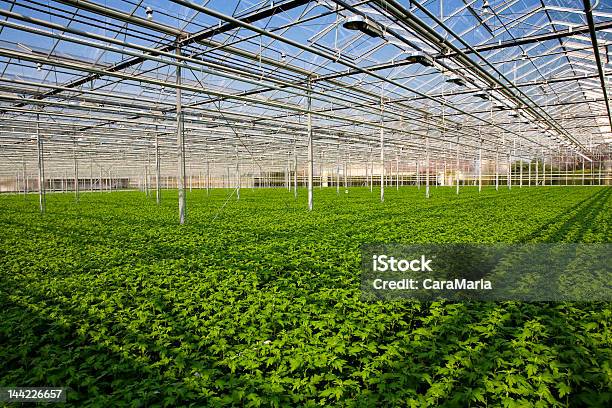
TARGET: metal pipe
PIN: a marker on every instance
(157, 169)
(602, 78)
(41, 168)
(76, 173)
(427, 167)
(295, 171)
(428, 32)
(181, 146)
(497, 170)
(310, 152)
(238, 181)
(480, 167)
(382, 153)
(457, 168)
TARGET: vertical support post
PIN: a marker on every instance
(566, 174)
(402, 171)
(337, 176)
(444, 175)
(480, 166)
(496, 168)
(180, 136)
(509, 170)
(583, 171)
(25, 178)
(41, 168)
(321, 171)
(397, 173)
(295, 171)
(521, 174)
(371, 159)
(338, 168)
(418, 175)
(348, 170)
(310, 153)
(147, 189)
(338, 172)
(543, 169)
(76, 172)
(436, 173)
(288, 173)
(529, 174)
(238, 184)
(427, 166)
(551, 170)
(457, 168)
(157, 168)
(367, 180)
(207, 177)
(382, 151)
(91, 176)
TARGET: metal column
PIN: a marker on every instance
(207, 177)
(310, 155)
(382, 153)
(529, 174)
(427, 167)
(295, 170)
(457, 167)
(480, 167)
(510, 170)
(496, 168)
(41, 168)
(237, 174)
(397, 172)
(76, 172)
(157, 169)
(180, 136)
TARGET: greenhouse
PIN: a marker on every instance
(196, 197)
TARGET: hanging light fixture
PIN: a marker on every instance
(419, 57)
(455, 79)
(149, 13)
(486, 8)
(363, 24)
